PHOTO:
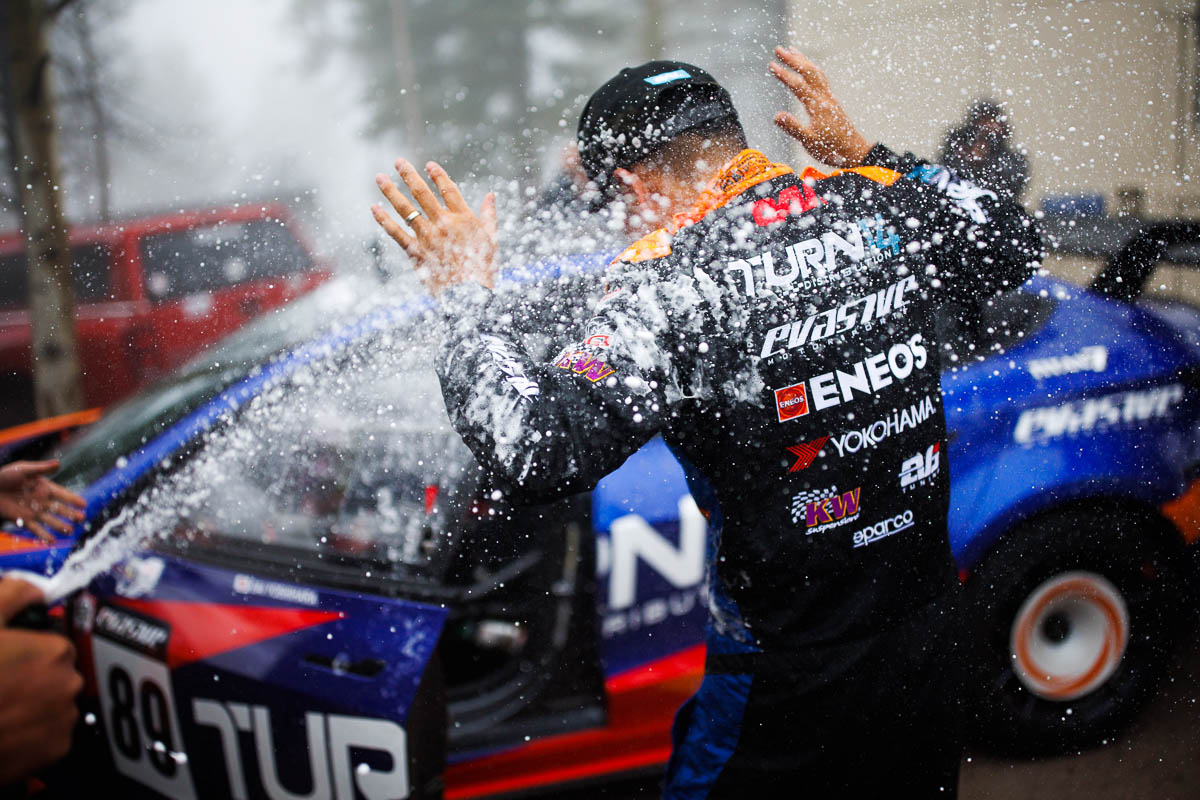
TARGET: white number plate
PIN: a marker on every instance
(140, 720)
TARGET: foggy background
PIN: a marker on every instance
(304, 101)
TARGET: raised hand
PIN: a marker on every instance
(829, 136)
(449, 243)
(29, 498)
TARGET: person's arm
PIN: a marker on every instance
(38, 685)
(980, 243)
(557, 426)
(549, 427)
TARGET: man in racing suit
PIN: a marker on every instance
(779, 335)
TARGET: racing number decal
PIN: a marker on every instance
(139, 718)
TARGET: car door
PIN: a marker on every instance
(101, 316)
(219, 682)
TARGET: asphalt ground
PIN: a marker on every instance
(1157, 758)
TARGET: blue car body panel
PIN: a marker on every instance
(239, 664)
(997, 481)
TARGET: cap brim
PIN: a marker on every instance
(694, 117)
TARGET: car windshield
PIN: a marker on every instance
(353, 459)
(136, 421)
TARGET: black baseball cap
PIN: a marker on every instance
(643, 108)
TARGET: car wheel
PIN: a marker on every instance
(1071, 621)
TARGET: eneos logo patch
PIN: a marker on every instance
(791, 402)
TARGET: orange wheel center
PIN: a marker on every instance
(1069, 636)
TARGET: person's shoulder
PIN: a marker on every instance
(651, 247)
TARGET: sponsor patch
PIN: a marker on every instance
(584, 363)
(1116, 410)
(822, 509)
(817, 261)
(962, 193)
(667, 77)
(791, 402)
(869, 376)
(897, 422)
(920, 468)
(250, 585)
(1087, 359)
(840, 320)
(146, 635)
(806, 453)
(792, 200)
(881, 530)
(137, 577)
(508, 361)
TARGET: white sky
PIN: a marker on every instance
(235, 71)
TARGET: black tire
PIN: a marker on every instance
(1045, 595)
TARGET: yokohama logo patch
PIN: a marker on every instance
(806, 453)
(791, 402)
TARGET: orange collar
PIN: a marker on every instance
(746, 169)
(878, 174)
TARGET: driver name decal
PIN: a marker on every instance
(1093, 414)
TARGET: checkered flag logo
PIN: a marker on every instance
(801, 500)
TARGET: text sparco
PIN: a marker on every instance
(897, 422)
(839, 320)
(883, 529)
(1110, 411)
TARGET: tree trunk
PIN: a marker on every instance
(406, 73)
(56, 373)
(91, 94)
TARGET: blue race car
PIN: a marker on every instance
(315, 592)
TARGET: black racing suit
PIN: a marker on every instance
(780, 337)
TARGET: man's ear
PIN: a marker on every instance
(634, 185)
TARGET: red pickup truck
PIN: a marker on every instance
(152, 292)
